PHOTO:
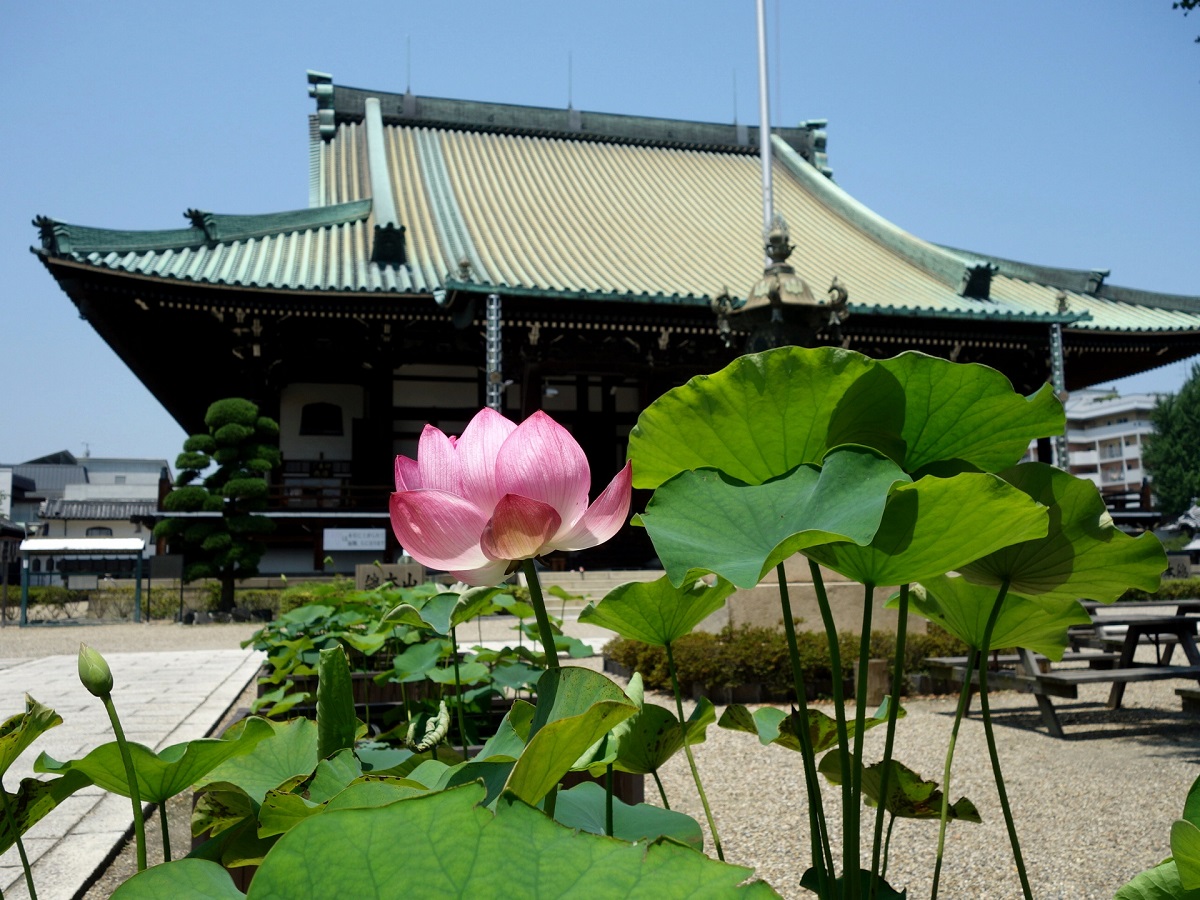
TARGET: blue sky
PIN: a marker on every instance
(1060, 133)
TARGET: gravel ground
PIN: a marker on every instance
(1091, 811)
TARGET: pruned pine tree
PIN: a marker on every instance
(227, 544)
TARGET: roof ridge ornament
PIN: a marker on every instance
(55, 236)
(206, 222)
(977, 279)
(320, 87)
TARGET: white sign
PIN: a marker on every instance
(355, 538)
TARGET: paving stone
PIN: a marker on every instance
(163, 698)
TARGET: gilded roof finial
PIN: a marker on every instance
(778, 247)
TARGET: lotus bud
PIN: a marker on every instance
(94, 672)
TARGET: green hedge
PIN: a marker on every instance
(1169, 589)
(750, 655)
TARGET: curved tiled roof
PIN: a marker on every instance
(561, 212)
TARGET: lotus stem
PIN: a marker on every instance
(893, 714)
(849, 866)
(822, 855)
(608, 800)
(853, 837)
(458, 698)
(661, 793)
(687, 750)
(166, 831)
(539, 610)
(139, 826)
(1009, 823)
(12, 823)
(964, 697)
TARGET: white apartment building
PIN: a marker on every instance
(1106, 434)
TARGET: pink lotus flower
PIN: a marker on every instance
(500, 493)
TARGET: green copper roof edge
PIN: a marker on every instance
(62, 238)
(78, 260)
(475, 287)
(442, 112)
(1046, 318)
(1088, 282)
(942, 265)
(1079, 281)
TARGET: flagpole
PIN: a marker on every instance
(764, 121)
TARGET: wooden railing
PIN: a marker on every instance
(363, 498)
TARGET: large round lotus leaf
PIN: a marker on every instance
(654, 735)
(183, 879)
(1160, 883)
(760, 416)
(934, 526)
(963, 608)
(774, 726)
(576, 707)
(909, 795)
(961, 416)
(447, 845)
(1185, 849)
(583, 807)
(704, 520)
(283, 758)
(164, 774)
(1083, 556)
(656, 612)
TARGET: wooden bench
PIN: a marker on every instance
(1012, 676)
(1029, 674)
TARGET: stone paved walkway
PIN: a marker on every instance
(163, 698)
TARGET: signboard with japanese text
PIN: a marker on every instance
(355, 539)
(369, 577)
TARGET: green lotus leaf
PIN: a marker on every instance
(468, 673)
(962, 608)
(446, 610)
(936, 525)
(576, 707)
(1083, 556)
(909, 795)
(280, 812)
(774, 726)
(160, 775)
(1186, 852)
(704, 520)
(762, 416)
(1160, 883)
(583, 807)
(1191, 806)
(965, 416)
(510, 738)
(34, 799)
(183, 879)
(21, 730)
(656, 612)
(283, 758)
(654, 735)
(415, 662)
(367, 643)
(1185, 849)
(517, 851)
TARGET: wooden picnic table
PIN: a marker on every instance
(1164, 632)
(1117, 667)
